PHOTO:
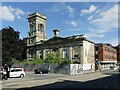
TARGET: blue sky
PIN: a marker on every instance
(97, 20)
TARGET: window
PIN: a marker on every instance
(17, 70)
(64, 53)
(76, 56)
(34, 40)
(96, 48)
(13, 70)
(40, 27)
(32, 28)
(97, 52)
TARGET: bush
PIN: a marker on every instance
(65, 61)
(14, 61)
(52, 58)
(35, 60)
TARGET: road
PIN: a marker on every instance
(31, 76)
(104, 79)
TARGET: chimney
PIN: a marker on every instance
(56, 33)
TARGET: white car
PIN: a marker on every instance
(17, 72)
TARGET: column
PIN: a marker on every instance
(70, 53)
(73, 52)
(60, 53)
(28, 55)
(44, 54)
(38, 54)
(81, 55)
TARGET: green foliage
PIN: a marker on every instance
(65, 61)
(35, 60)
(13, 61)
(23, 44)
(52, 58)
(11, 47)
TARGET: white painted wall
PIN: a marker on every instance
(87, 66)
(81, 68)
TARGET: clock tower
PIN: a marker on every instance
(36, 29)
(36, 34)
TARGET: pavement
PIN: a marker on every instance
(88, 80)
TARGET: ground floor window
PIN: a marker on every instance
(65, 53)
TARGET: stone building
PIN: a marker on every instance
(36, 28)
(36, 32)
(76, 48)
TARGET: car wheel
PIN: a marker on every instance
(21, 75)
(41, 72)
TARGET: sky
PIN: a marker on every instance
(98, 21)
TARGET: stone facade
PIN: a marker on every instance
(36, 33)
(76, 48)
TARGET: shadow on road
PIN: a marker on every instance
(109, 82)
(112, 81)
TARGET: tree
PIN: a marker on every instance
(52, 58)
(10, 45)
(23, 44)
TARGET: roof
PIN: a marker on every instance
(55, 40)
(74, 38)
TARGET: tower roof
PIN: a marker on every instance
(36, 14)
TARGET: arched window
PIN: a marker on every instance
(32, 29)
(41, 27)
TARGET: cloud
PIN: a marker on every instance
(114, 42)
(72, 29)
(90, 18)
(109, 17)
(73, 23)
(103, 22)
(70, 10)
(8, 13)
(95, 35)
(97, 11)
(62, 8)
(19, 12)
(91, 9)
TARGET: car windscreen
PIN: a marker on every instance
(16, 70)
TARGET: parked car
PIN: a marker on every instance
(17, 72)
(41, 70)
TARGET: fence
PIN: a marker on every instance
(71, 69)
(54, 68)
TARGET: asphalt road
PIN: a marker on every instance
(30, 76)
(104, 79)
